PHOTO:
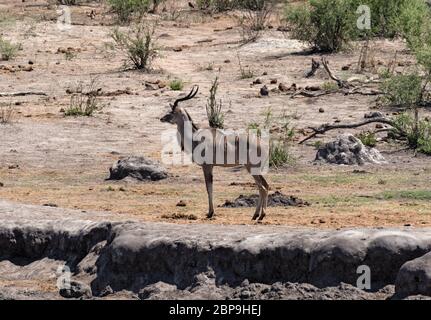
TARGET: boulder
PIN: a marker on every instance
(348, 150)
(76, 290)
(138, 168)
(414, 277)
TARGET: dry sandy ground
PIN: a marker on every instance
(46, 158)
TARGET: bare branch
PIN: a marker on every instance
(341, 83)
(20, 94)
(327, 127)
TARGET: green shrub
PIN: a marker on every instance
(126, 9)
(215, 5)
(402, 89)
(278, 155)
(138, 44)
(281, 134)
(368, 139)
(327, 25)
(329, 86)
(8, 51)
(214, 107)
(84, 101)
(392, 18)
(176, 84)
(417, 132)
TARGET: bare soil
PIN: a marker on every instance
(47, 158)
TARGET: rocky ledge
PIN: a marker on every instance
(45, 255)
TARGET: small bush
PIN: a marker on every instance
(254, 19)
(329, 86)
(126, 9)
(402, 89)
(368, 139)
(6, 113)
(214, 113)
(245, 72)
(416, 131)
(8, 51)
(327, 25)
(215, 5)
(278, 155)
(281, 134)
(84, 101)
(392, 18)
(176, 84)
(138, 44)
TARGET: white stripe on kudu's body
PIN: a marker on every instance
(219, 148)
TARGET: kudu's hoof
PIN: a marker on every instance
(255, 217)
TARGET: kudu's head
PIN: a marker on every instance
(176, 115)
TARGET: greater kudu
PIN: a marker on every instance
(187, 139)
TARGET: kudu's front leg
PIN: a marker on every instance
(208, 174)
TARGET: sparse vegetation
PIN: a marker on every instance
(327, 25)
(245, 72)
(368, 139)
(215, 5)
(214, 107)
(330, 86)
(127, 9)
(6, 113)
(254, 19)
(416, 131)
(176, 84)
(84, 101)
(281, 135)
(138, 44)
(8, 50)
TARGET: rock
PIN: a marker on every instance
(373, 114)
(264, 91)
(313, 88)
(414, 277)
(348, 150)
(273, 81)
(1, 184)
(321, 110)
(181, 203)
(346, 67)
(76, 290)
(282, 87)
(151, 86)
(276, 199)
(257, 81)
(138, 168)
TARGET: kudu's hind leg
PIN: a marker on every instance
(265, 191)
(258, 211)
(208, 174)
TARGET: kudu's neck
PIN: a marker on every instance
(186, 129)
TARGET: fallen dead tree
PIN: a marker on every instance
(328, 127)
(344, 87)
(23, 93)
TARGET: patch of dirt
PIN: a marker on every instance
(277, 199)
